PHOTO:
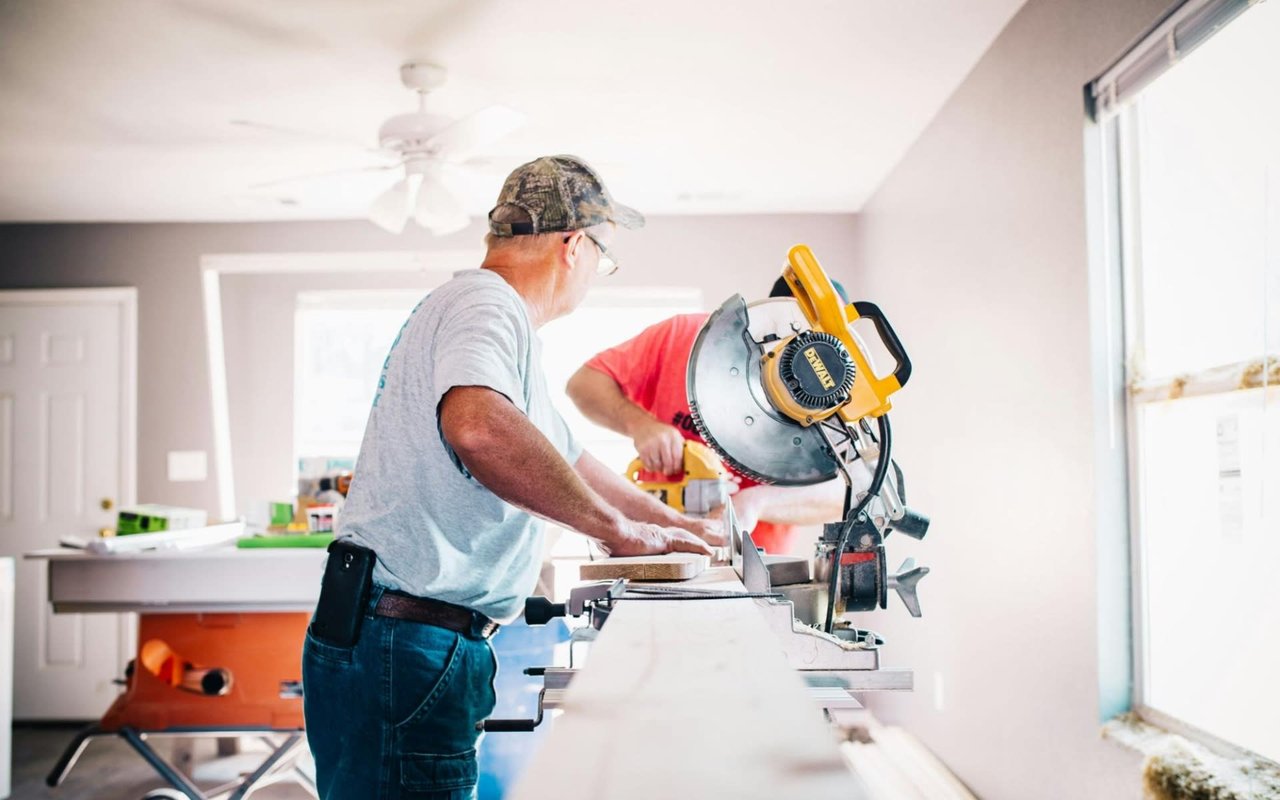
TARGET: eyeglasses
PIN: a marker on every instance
(607, 264)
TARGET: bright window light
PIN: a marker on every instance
(343, 338)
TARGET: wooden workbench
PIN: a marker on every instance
(688, 699)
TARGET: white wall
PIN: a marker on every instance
(976, 248)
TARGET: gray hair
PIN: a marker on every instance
(514, 214)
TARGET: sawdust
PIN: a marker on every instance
(1176, 768)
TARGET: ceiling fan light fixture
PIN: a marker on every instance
(390, 211)
(438, 210)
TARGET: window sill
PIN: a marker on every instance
(1176, 768)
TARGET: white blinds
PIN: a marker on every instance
(1181, 30)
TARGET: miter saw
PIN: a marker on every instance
(785, 390)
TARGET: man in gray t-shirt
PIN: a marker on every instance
(463, 459)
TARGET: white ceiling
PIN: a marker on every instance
(121, 110)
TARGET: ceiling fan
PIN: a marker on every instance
(421, 145)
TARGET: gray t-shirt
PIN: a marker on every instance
(437, 531)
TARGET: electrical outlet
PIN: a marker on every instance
(188, 465)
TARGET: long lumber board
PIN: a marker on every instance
(688, 699)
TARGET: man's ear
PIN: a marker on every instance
(571, 249)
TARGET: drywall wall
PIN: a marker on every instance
(719, 255)
(976, 247)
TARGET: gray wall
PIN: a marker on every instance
(717, 254)
(976, 247)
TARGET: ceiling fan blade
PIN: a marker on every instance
(438, 209)
(390, 211)
(316, 137)
(476, 132)
(315, 175)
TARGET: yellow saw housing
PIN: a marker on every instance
(812, 375)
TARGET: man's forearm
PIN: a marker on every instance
(503, 450)
(600, 400)
(623, 495)
(799, 505)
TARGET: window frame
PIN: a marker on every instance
(1112, 150)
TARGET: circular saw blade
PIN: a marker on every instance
(734, 415)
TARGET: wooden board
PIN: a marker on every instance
(896, 766)
(669, 567)
(688, 699)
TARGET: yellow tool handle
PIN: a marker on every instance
(637, 466)
(824, 309)
(670, 493)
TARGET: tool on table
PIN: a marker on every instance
(182, 539)
(700, 489)
(271, 540)
(155, 518)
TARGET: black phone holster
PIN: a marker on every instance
(344, 594)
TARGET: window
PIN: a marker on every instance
(607, 317)
(1196, 188)
(343, 338)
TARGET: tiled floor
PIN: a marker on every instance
(109, 769)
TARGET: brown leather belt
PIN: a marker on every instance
(437, 613)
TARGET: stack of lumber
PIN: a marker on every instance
(894, 765)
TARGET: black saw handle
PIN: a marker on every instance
(890, 338)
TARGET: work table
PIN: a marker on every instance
(223, 579)
(688, 698)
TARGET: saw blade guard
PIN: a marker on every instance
(732, 411)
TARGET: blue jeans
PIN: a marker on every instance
(394, 717)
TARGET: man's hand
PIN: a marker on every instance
(661, 446)
(642, 506)
(645, 538)
(600, 399)
(711, 530)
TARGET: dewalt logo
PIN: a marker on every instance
(819, 369)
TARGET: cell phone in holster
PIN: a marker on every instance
(344, 593)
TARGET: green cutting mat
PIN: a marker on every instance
(288, 540)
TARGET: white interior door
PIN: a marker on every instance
(66, 463)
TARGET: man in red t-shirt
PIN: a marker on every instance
(638, 389)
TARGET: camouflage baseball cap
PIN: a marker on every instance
(559, 193)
